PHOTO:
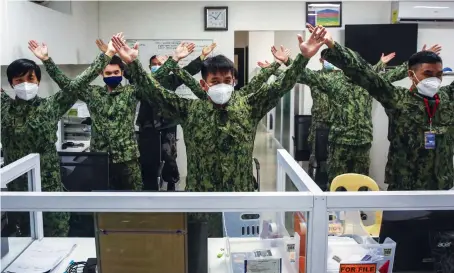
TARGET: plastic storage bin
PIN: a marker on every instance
(274, 247)
(360, 250)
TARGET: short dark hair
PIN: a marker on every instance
(215, 64)
(323, 52)
(153, 57)
(235, 73)
(423, 57)
(116, 60)
(20, 67)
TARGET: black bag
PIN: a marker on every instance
(321, 144)
(302, 127)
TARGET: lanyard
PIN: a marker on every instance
(431, 111)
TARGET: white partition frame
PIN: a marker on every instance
(309, 198)
(27, 165)
(317, 238)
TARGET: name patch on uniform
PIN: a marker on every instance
(429, 140)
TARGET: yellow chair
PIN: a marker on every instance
(353, 182)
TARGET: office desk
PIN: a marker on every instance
(77, 149)
(86, 249)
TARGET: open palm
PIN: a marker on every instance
(208, 49)
(40, 50)
(282, 54)
(435, 49)
(386, 59)
(184, 49)
(263, 64)
(311, 46)
(126, 53)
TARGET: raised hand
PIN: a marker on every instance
(208, 49)
(126, 53)
(281, 55)
(435, 49)
(40, 50)
(162, 59)
(310, 47)
(110, 47)
(183, 50)
(101, 45)
(385, 59)
(263, 65)
(328, 38)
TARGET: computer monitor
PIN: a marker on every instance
(411, 230)
(86, 171)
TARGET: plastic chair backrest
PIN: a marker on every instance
(236, 226)
(353, 182)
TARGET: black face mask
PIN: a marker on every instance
(114, 81)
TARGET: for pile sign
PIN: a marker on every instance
(358, 268)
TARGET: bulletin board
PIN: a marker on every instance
(150, 47)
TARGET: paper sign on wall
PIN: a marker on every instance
(358, 268)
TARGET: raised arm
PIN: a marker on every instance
(396, 74)
(147, 87)
(267, 97)
(362, 73)
(261, 78)
(81, 82)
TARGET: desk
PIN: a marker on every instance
(16, 246)
(77, 149)
(86, 249)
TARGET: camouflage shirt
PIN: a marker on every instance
(148, 114)
(410, 165)
(31, 126)
(219, 141)
(112, 114)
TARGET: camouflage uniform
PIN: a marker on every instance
(152, 124)
(410, 166)
(113, 116)
(350, 137)
(31, 127)
(219, 141)
(320, 112)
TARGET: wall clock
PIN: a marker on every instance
(216, 18)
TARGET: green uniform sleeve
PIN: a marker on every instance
(260, 79)
(148, 88)
(81, 82)
(316, 80)
(378, 67)
(267, 97)
(396, 74)
(363, 74)
(188, 80)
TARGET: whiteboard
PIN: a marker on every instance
(150, 47)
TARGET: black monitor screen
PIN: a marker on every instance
(84, 171)
(370, 41)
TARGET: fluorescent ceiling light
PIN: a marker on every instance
(429, 7)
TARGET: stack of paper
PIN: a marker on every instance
(41, 256)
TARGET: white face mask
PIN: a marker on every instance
(26, 90)
(155, 68)
(429, 87)
(220, 93)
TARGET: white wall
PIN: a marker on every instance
(260, 43)
(184, 20)
(70, 37)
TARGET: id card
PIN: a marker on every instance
(429, 140)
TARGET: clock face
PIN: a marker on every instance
(216, 18)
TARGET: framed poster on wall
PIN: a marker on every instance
(327, 14)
